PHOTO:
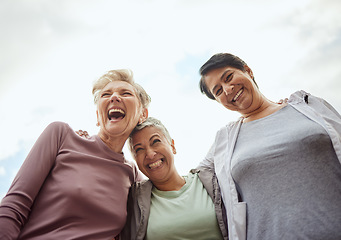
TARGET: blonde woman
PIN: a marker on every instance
(70, 187)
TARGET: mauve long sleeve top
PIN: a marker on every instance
(68, 187)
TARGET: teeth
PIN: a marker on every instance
(116, 110)
(155, 164)
(237, 95)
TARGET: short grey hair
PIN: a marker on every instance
(125, 75)
(150, 122)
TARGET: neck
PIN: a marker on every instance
(115, 144)
(266, 108)
(173, 184)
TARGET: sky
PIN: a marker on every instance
(52, 51)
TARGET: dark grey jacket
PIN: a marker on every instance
(139, 205)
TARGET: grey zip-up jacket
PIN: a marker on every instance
(220, 154)
(139, 205)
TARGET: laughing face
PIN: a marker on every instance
(154, 154)
(234, 89)
(118, 110)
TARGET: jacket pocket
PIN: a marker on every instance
(239, 219)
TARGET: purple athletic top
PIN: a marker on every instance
(68, 187)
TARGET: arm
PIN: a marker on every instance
(321, 112)
(332, 121)
(16, 205)
(219, 145)
(208, 161)
(328, 106)
(329, 114)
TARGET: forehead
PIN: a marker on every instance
(145, 134)
(216, 74)
(116, 85)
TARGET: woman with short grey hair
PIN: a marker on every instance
(168, 205)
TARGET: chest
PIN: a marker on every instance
(189, 215)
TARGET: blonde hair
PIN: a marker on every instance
(125, 75)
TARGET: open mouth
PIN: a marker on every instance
(116, 114)
(155, 164)
(237, 95)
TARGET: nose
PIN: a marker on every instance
(150, 153)
(227, 88)
(115, 97)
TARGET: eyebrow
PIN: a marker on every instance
(150, 139)
(221, 79)
(127, 89)
(118, 89)
(153, 136)
(138, 144)
(224, 74)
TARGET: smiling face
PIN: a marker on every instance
(118, 110)
(234, 89)
(154, 154)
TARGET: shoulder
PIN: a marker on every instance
(203, 173)
(56, 129)
(229, 126)
(302, 96)
(226, 131)
(140, 188)
(58, 126)
(305, 98)
(298, 97)
(202, 170)
(143, 184)
(208, 179)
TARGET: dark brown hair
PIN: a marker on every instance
(219, 60)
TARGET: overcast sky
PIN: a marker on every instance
(52, 51)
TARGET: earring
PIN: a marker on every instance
(97, 124)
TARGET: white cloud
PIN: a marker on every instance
(53, 51)
(2, 171)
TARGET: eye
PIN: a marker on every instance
(105, 94)
(127, 94)
(138, 149)
(218, 92)
(156, 140)
(228, 78)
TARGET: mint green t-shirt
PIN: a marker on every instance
(185, 214)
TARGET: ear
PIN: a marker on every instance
(249, 71)
(143, 116)
(173, 147)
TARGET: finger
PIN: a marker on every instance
(80, 133)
